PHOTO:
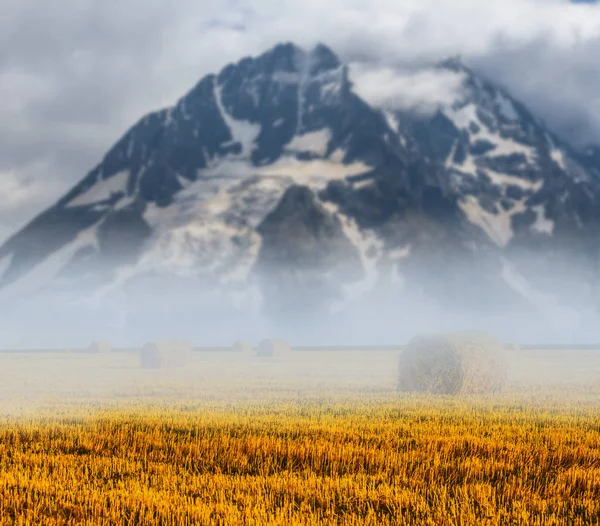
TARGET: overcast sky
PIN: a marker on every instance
(75, 74)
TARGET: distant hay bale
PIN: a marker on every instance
(243, 346)
(165, 354)
(100, 347)
(453, 364)
(273, 347)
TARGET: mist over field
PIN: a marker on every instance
(208, 319)
(180, 310)
(34, 382)
(62, 326)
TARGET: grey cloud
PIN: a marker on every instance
(73, 77)
(560, 84)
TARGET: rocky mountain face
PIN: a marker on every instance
(274, 187)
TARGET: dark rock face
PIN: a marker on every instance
(305, 254)
(122, 235)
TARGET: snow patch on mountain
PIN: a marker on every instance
(370, 249)
(542, 224)
(102, 191)
(463, 116)
(392, 121)
(363, 183)
(314, 173)
(497, 226)
(557, 154)
(315, 142)
(243, 132)
(466, 166)
(209, 228)
(559, 158)
(331, 84)
(503, 180)
(338, 156)
(503, 146)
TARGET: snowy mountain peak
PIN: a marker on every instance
(274, 177)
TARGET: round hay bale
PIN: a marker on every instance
(100, 347)
(243, 346)
(453, 364)
(273, 347)
(165, 354)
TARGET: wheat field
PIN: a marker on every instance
(272, 448)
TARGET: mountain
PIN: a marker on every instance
(273, 187)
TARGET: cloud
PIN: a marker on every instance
(75, 74)
(421, 90)
(561, 84)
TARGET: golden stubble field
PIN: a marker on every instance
(311, 439)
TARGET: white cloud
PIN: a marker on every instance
(421, 90)
(75, 74)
